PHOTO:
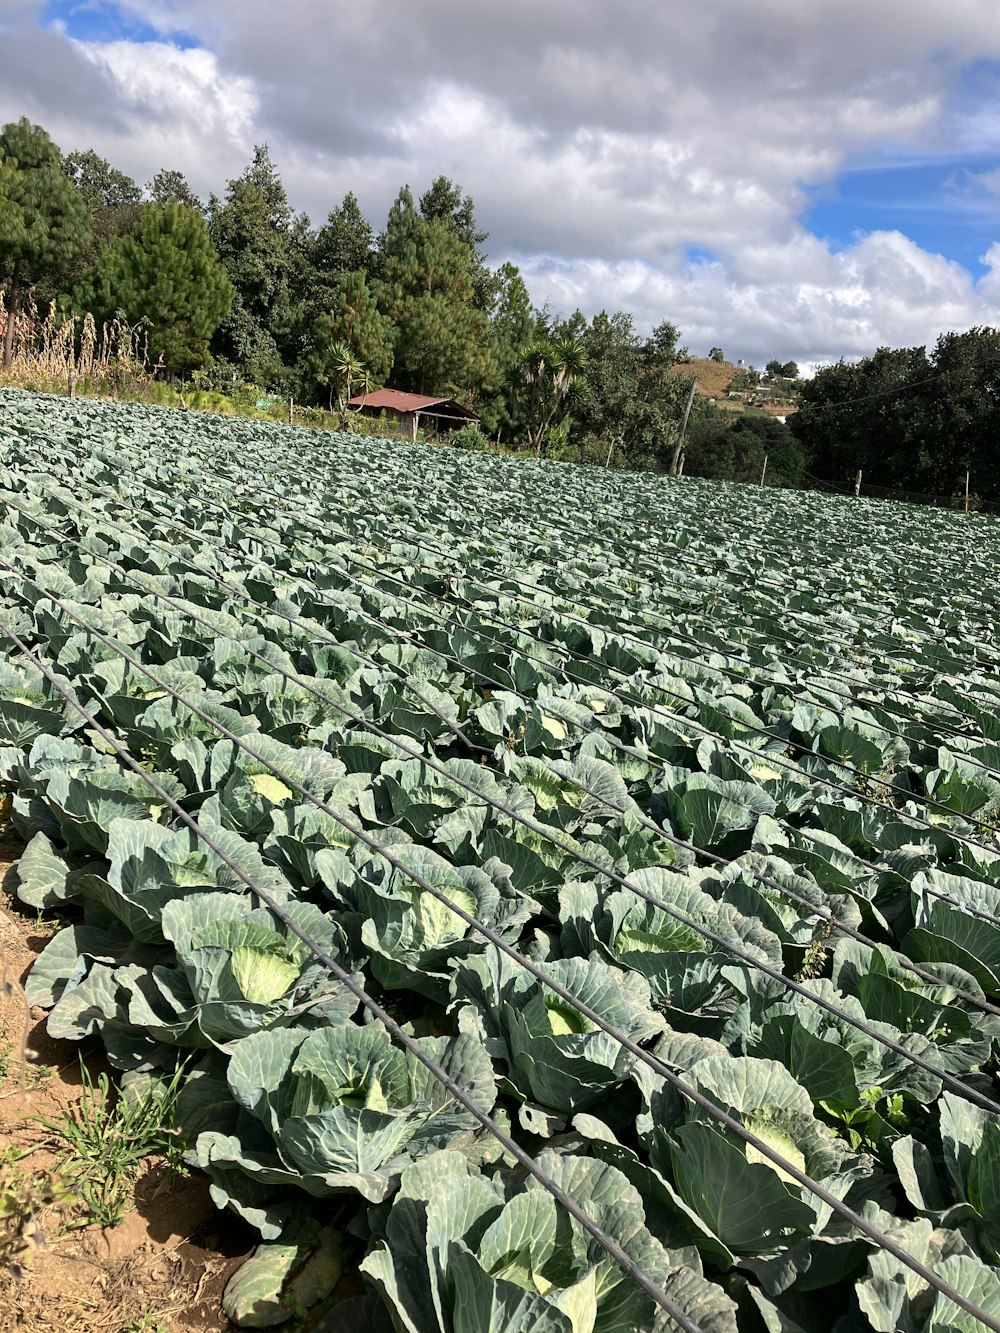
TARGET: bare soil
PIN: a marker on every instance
(163, 1269)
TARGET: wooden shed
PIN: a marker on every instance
(443, 414)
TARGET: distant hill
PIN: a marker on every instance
(713, 380)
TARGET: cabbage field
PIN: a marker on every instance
(571, 898)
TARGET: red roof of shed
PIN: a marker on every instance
(395, 400)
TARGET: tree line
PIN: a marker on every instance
(908, 418)
(241, 288)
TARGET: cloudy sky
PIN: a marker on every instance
(791, 178)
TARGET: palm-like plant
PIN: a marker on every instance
(543, 382)
(338, 365)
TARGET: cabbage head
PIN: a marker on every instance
(463, 1254)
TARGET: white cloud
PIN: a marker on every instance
(882, 290)
(600, 143)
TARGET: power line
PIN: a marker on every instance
(674, 554)
(915, 796)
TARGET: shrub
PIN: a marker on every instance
(468, 437)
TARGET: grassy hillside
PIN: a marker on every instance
(715, 377)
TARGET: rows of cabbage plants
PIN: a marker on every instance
(659, 815)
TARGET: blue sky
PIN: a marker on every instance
(94, 21)
(936, 204)
(806, 181)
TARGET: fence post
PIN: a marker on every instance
(763, 471)
(967, 490)
(676, 466)
(857, 484)
(289, 410)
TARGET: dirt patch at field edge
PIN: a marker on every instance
(170, 1258)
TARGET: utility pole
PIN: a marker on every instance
(857, 484)
(763, 471)
(675, 461)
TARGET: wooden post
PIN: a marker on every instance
(763, 471)
(607, 461)
(857, 484)
(290, 410)
(415, 427)
(966, 490)
(675, 469)
(680, 465)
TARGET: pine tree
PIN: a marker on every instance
(251, 229)
(166, 273)
(353, 323)
(44, 225)
(345, 243)
(427, 289)
(113, 201)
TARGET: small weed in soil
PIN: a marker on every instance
(103, 1142)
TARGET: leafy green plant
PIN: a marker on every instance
(149, 1322)
(468, 437)
(104, 1141)
(524, 685)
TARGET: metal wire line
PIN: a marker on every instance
(814, 909)
(914, 796)
(304, 522)
(879, 1238)
(561, 1197)
(742, 673)
(573, 595)
(173, 522)
(680, 556)
(312, 627)
(718, 564)
(732, 950)
(610, 741)
(308, 439)
(917, 797)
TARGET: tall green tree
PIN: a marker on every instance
(167, 273)
(632, 406)
(427, 289)
(545, 383)
(728, 448)
(44, 226)
(870, 415)
(113, 201)
(102, 185)
(354, 323)
(445, 202)
(515, 324)
(252, 231)
(345, 243)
